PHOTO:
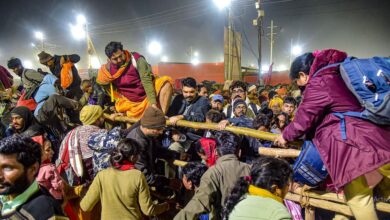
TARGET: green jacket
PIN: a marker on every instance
(123, 195)
(214, 187)
(259, 208)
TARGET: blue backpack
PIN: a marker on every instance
(308, 167)
(369, 81)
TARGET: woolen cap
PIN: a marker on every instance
(44, 57)
(153, 118)
(238, 102)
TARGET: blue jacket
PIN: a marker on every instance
(194, 111)
(242, 121)
(46, 89)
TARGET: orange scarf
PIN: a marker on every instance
(66, 75)
(104, 76)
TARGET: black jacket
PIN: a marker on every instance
(151, 149)
(40, 206)
(196, 111)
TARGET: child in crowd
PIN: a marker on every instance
(264, 189)
(122, 189)
(205, 148)
(192, 173)
(48, 177)
(281, 120)
(177, 142)
(86, 87)
(262, 122)
(213, 116)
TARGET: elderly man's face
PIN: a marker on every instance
(240, 110)
(17, 121)
(276, 109)
(14, 177)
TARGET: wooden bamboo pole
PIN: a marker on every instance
(319, 203)
(279, 152)
(333, 197)
(320, 195)
(324, 200)
(214, 126)
(179, 163)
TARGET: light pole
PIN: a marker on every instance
(225, 4)
(79, 32)
(40, 36)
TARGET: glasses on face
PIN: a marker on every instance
(241, 107)
(238, 91)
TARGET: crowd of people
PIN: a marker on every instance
(63, 154)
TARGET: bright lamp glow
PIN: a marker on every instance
(296, 50)
(154, 48)
(39, 35)
(221, 4)
(196, 53)
(81, 20)
(164, 59)
(33, 45)
(264, 68)
(78, 31)
(195, 61)
(95, 63)
(27, 64)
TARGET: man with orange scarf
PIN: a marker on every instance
(128, 79)
(63, 67)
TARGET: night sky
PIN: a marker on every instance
(360, 27)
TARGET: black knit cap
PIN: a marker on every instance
(238, 102)
(153, 118)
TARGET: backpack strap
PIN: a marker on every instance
(30, 79)
(229, 111)
(326, 67)
(343, 127)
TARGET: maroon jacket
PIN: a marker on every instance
(367, 146)
(129, 83)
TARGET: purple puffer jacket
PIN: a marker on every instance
(367, 146)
